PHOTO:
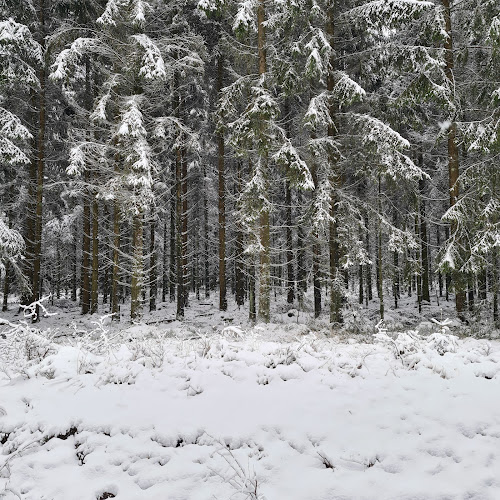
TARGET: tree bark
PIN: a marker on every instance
(496, 288)
(222, 198)
(137, 268)
(336, 288)
(301, 257)
(206, 262)
(424, 244)
(440, 276)
(395, 256)
(316, 252)
(265, 260)
(180, 255)
(290, 278)
(252, 314)
(380, 275)
(153, 289)
(173, 230)
(37, 247)
(453, 161)
(115, 284)
(239, 255)
(95, 257)
(164, 286)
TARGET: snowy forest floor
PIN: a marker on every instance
(215, 408)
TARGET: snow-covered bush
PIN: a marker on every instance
(410, 347)
(23, 345)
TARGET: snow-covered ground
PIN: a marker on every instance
(254, 414)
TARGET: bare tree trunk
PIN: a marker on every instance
(222, 198)
(290, 278)
(495, 288)
(37, 247)
(95, 257)
(395, 255)
(206, 263)
(419, 263)
(316, 252)
(8, 277)
(137, 268)
(85, 268)
(180, 273)
(153, 289)
(265, 261)
(108, 255)
(6, 287)
(440, 276)
(335, 274)
(239, 255)
(184, 227)
(453, 165)
(164, 286)
(424, 244)
(380, 276)
(115, 307)
(252, 315)
(301, 257)
(361, 298)
(173, 239)
(369, 290)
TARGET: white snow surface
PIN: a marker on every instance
(238, 416)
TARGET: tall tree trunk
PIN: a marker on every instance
(153, 289)
(239, 254)
(380, 275)
(336, 288)
(6, 287)
(419, 262)
(86, 240)
(137, 268)
(301, 258)
(222, 198)
(74, 258)
(180, 273)
(252, 314)
(265, 260)
(85, 267)
(108, 253)
(290, 278)
(440, 276)
(369, 290)
(37, 247)
(206, 262)
(164, 286)
(316, 250)
(95, 257)
(115, 280)
(173, 231)
(395, 256)
(424, 244)
(29, 229)
(453, 165)
(496, 288)
(6, 284)
(184, 227)
(361, 298)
